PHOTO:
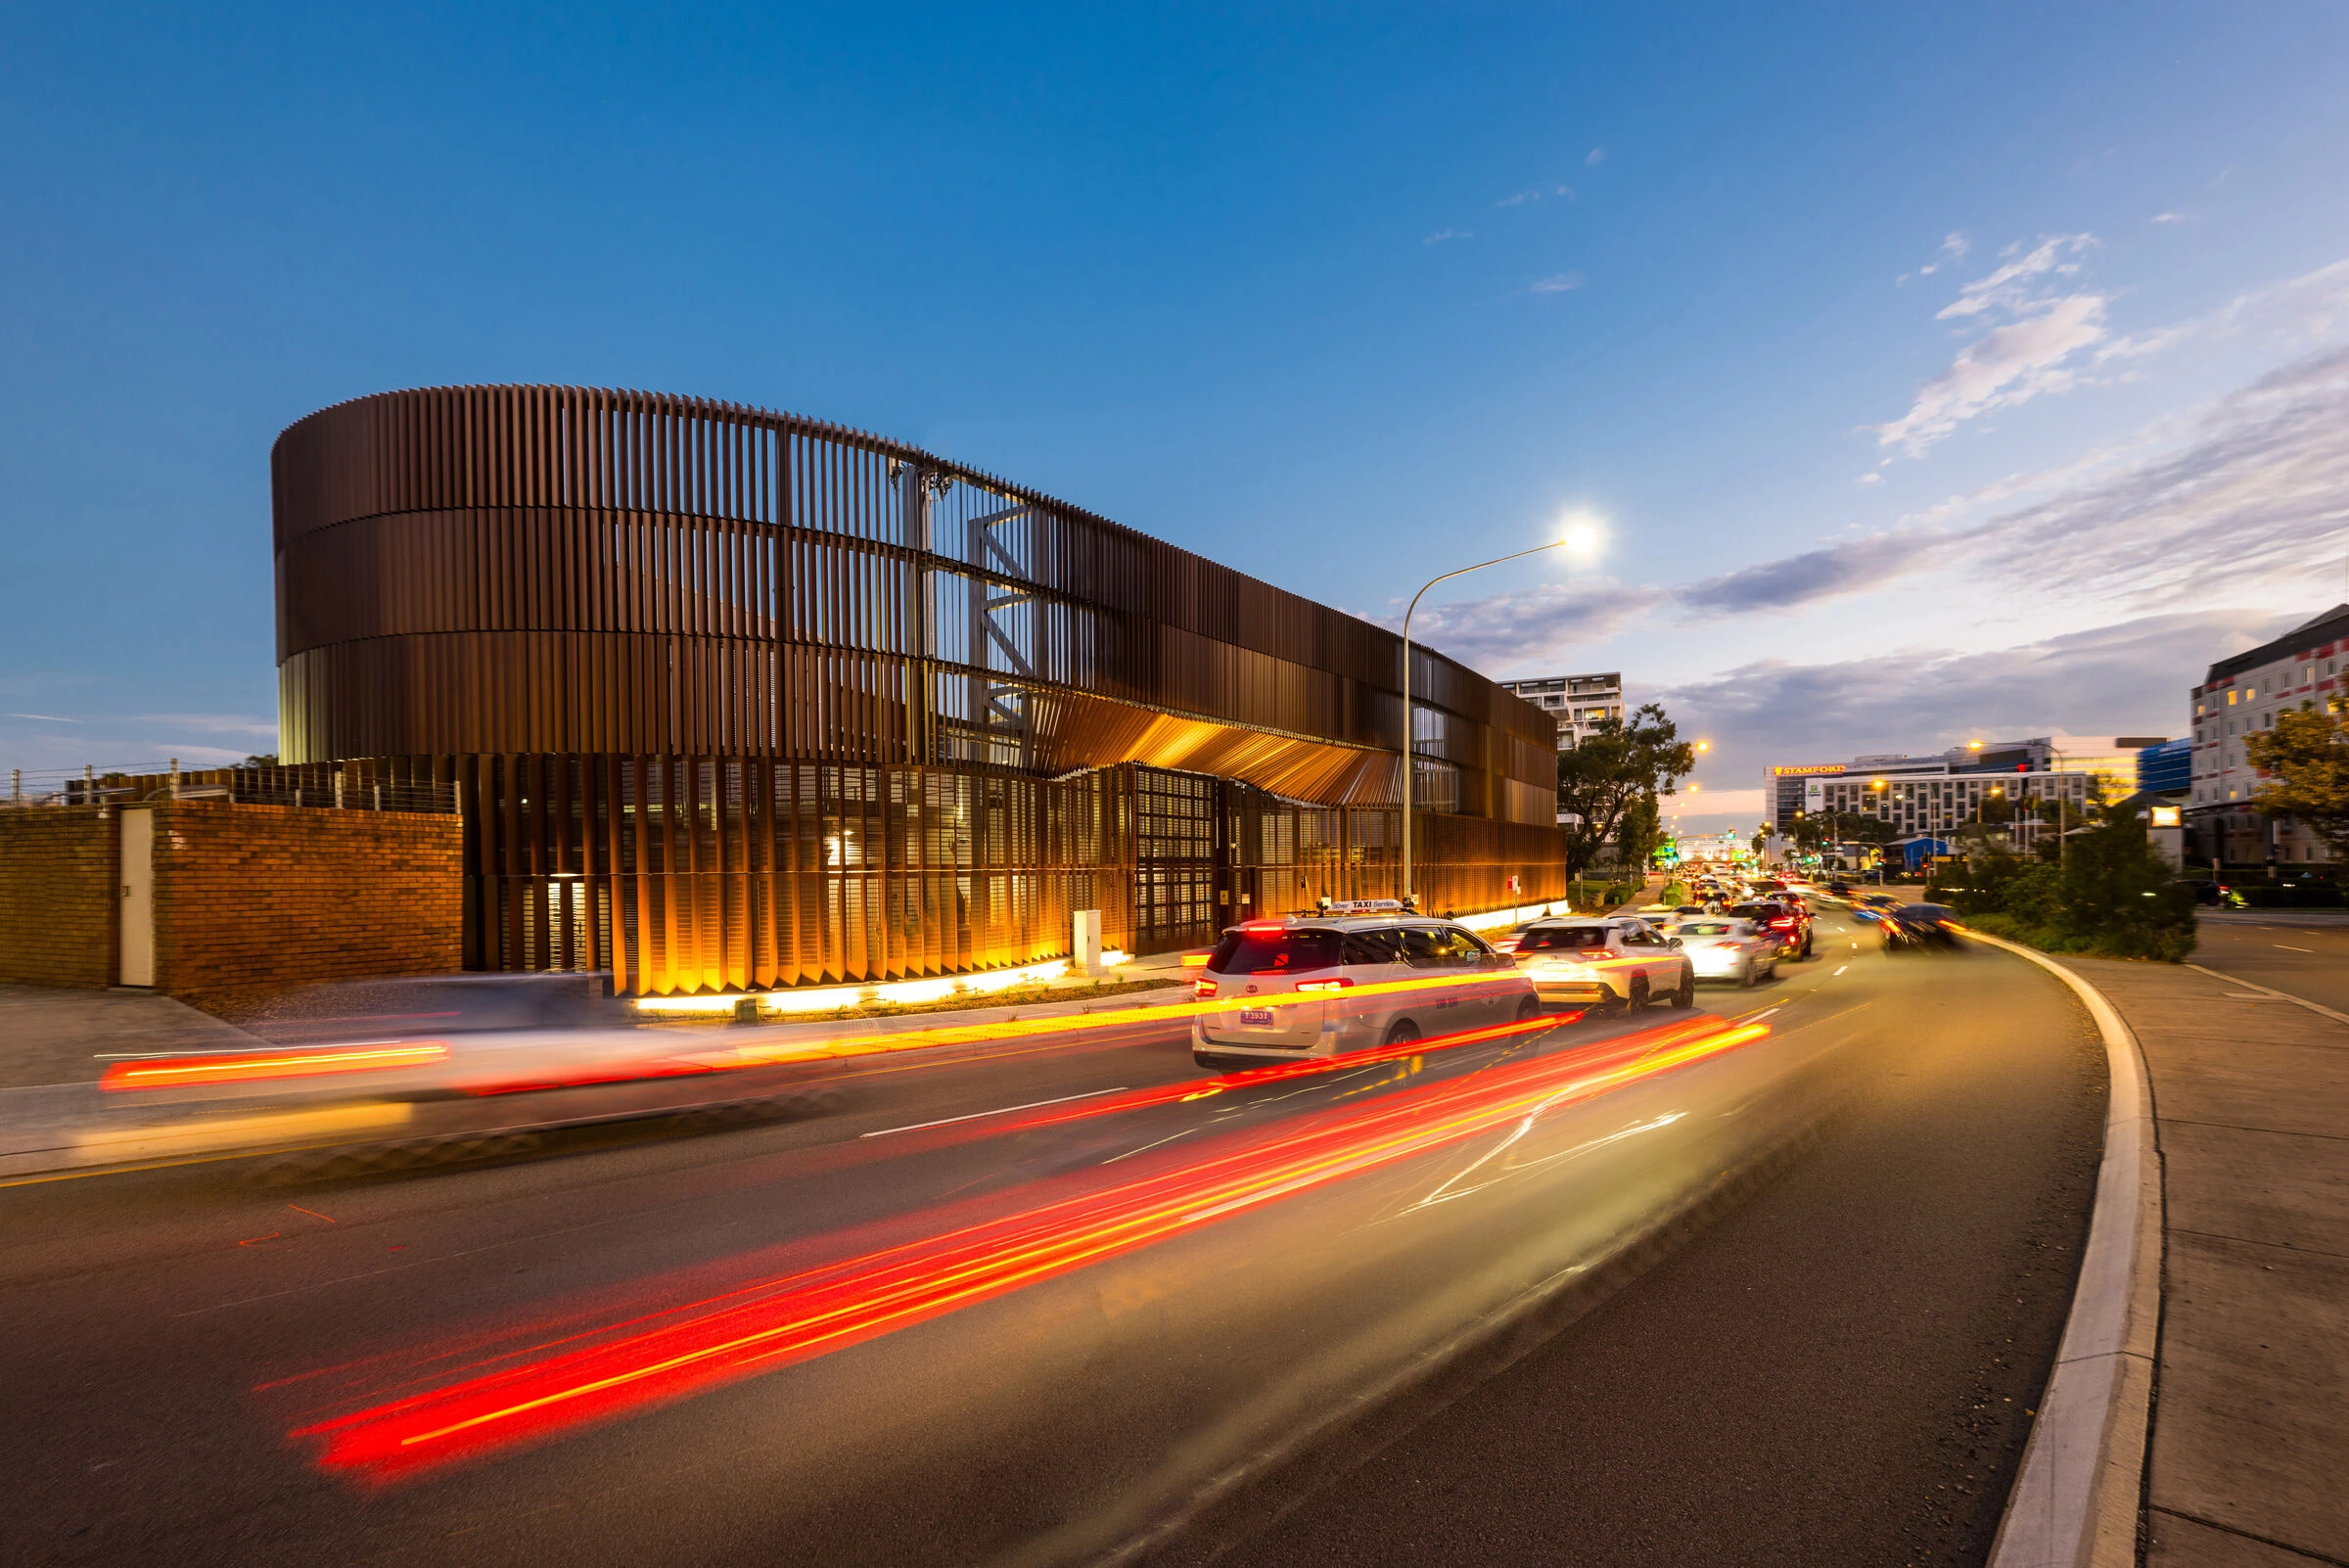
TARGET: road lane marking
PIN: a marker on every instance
(2288, 948)
(2280, 996)
(1000, 1110)
(1839, 971)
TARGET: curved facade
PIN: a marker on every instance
(543, 591)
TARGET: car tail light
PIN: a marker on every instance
(1325, 984)
(1263, 928)
(1203, 988)
(1783, 921)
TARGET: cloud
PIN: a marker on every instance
(2254, 497)
(2030, 351)
(1851, 567)
(1869, 478)
(1598, 155)
(1519, 199)
(1528, 626)
(1440, 235)
(2176, 218)
(2128, 678)
(46, 718)
(1556, 283)
(1954, 247)
(212, 723)
(2010, 288)
(1566, 191)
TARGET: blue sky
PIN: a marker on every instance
(1937, 372)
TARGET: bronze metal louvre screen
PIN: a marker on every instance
(737, 699)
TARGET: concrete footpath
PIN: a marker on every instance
(2249, 1451)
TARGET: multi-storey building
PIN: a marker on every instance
(1579, 703)
(2240, 697)
(1940, 792)
(734, 700)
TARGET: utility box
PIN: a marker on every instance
(1086, 948)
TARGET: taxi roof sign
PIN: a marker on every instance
(1361, 906)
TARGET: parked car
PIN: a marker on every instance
(1611, 963)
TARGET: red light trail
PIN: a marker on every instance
(770, 1323)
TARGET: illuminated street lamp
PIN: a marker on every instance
(1582, 537)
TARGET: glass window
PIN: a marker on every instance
(1274, 952)
(1372, 947)
(1543, 939)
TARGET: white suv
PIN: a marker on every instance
(1614, 962)
(1362, 975)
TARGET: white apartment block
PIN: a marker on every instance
(2240, 697)
(1577, 702)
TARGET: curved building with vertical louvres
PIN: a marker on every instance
(738, 699)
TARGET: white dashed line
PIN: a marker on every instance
(1839, 971)
(1000, 1110)
(2288, 947)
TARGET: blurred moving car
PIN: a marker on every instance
(1872, 906)
(1785, 921)
(1616, 962)
(1721, 948)
(1911, 927)
(1361, 974)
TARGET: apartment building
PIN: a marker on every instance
(1578, 703)
(2240, 697)
(1939, 792)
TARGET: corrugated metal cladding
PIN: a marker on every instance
(740, 699)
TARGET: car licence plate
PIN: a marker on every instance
(1256, 1018)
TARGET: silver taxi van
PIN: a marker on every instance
(1350, 975)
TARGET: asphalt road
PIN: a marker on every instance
(1831, 1369)
(2303, 951)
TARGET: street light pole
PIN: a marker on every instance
(1409, 731)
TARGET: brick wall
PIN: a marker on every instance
(248, 899)
(255, 896)
(58, 897)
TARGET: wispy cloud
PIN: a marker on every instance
(2245, 504)
(2127, 677)
(1529, 625)
(1871, 476)
(1519, 199)
(1555, 283)
(1440, 235)
(46, 718)
(210, 724)
(2176, 218)
(2031, 351)
(1598, 155)
(1852, 566)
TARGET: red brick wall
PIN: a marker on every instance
(248, 899)
(251, 896)
(58, 897)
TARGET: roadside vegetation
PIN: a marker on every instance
(2112, 896)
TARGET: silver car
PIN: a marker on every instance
(1618, 961)
(1363, 975)
(1727, 947)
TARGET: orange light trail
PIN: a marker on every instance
(667, 1355)
(245, 1067)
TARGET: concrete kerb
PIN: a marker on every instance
(2077, 1501)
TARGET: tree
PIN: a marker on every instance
(1625, 762)
(2306, 757)
(1639, 832)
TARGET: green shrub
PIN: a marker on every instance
(2113, 896)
